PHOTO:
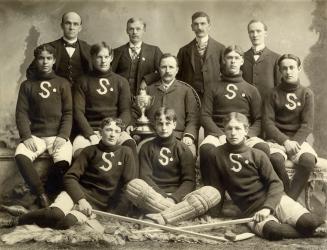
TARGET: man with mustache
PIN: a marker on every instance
(137, 61)
(201, 59)
(177, 95)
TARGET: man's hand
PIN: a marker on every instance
(58, 143)
(85, 207)
(187, 140)
(30, 144)
(292, 147)
(222, 139)
(261, 215)
(94, 139)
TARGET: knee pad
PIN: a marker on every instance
(193, 205)
(144, 196)
(68, 221)
(307, 162)
(271, 231)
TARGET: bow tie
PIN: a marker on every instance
(134, 48)
(72, 45)
(257, 53)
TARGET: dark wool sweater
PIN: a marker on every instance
(231, 94)
(99, 172)
(100, 95)
(289, 113)
(248, 176)
(44, 107)
(168, 166)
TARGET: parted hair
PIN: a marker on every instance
(235, 48)
(169, 113)
(106, 121)
(238, 117)
(258, 21)
(200, 14)
(289, 56)
(96, 48)
(44, 47)
(135, 19)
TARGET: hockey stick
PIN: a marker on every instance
(204, 227)
(166, 228)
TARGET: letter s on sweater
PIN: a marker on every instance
(46, 92)
(103, 82)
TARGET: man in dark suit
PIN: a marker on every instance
(72, 54)
(137, 61)
(200, 60)
(260, 63)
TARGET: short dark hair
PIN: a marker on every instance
(167, 55)
(169, 113)
(238, 117)
(258, 21)
(96, 48)
(135, 19)
(289, 56)
(106, 121)
(200, 14)
(44, 47)
(235, 48)
(65, 14)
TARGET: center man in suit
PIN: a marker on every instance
(137, 61)
(200, 60)
(73, 57)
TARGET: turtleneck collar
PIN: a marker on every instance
(289, 87)
(239, 148)
(166, 142)
(45, 76)
(98, 73)
(107, 148)
(232, 78)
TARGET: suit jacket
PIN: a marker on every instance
(85, 57)
(211, 66)
(148, 68)
(263, 73)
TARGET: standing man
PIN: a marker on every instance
(260, 63)
(200, 60)
(137, 61)
(72, 54)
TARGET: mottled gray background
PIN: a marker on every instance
(298, 27)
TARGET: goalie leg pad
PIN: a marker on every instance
(194, 204)
(144, 196)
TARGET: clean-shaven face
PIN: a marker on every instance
(45, 62)
(233, 62)
(201, 27)
(71, 25)
(110, 134)
(289, 70)
(235, 132)
(164, 128)
(102, 60)
(257, 33)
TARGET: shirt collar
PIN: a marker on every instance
(167, 85)
(138, 45)
(259, 47)
(69, 41)
(202, 39)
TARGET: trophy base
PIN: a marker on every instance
(143, 129)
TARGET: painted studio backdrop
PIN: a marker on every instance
(298, 27)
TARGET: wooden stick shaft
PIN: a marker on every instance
(167, 228)
(204, 227)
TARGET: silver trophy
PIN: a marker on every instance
(143, 101)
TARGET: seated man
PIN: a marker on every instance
(288, 122)
(179, 96)
(167, 172)
(247, 175)
(230, 94)
(44, 122)
(100, 94)
(95, 180)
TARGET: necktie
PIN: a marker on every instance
(72, 45)
(201, 47)
(257, 53)
(134, 52)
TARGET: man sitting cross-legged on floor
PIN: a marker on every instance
(249, 178)
(167, 172)
(94, 181)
